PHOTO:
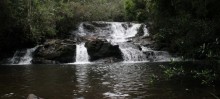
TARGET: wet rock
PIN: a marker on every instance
(126, 25)
(108, 60)
(100, 24)
(150, 55)
(99, 49)
(6, 96)
(32, 96)
(55, 51)
(43, 61)
(140, 30)
(89, 27)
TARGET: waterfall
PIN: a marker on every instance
(121, 34)
(22, 58)
(15, 59)
(133, 55)
(126, 35)
(26, 59)
(81, 54)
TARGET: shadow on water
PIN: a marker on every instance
(94, 81)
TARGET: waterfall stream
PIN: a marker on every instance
(132, 39)
(26, 59)
(122, 34)
(81, 54)
(23, 59)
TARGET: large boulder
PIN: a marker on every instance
(55, 51)
(100, 49)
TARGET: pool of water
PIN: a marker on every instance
(94, 81)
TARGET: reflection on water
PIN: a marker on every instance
(92, 81)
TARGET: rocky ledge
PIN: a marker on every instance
(55, 51)
(101, 49)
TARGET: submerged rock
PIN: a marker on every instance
(100, 49)
(32, 96)
(55, 51)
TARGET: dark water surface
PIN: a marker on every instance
(94, 81)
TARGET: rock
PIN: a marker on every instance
(55, 51)
(32, 96)
(108, 60)
(89, 27)
(126, 25)
(150, 55)
(100, 24)
(100, 49)
(140, 31)
(43, 61)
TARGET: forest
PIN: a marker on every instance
(25, 23)
(189, 28)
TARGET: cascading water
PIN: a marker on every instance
(121, 34)
(126, 35)
(15, 59)
(81, 54)
(24, 59)
(131, 53)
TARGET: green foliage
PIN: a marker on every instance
(136, 10)
(173, 72)
(187, 27)
(204, 76)
(207, 77)
(32, 21)
(42, 19)
(153, 78)
(102, 10)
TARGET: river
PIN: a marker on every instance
(94, 81)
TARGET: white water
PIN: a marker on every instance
(81, 54)
(13, 60)
(122, 34)
(24, 60)
(81, 30)
(133, 55)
